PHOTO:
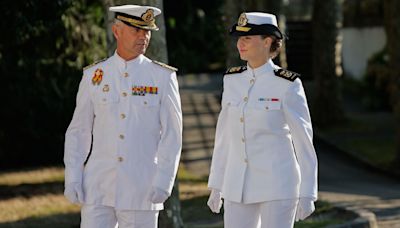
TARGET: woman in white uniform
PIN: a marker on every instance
(264, 164)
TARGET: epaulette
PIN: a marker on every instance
(98, 61)
(165, 65)
(288, 75)
(236, 70)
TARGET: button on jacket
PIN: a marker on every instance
(128, 113)
(263, 146)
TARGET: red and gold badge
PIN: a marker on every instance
(97, 77)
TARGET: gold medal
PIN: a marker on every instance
(97, 77)
(106, 88)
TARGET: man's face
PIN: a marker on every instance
(131, 41)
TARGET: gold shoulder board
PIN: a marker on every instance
(99, 61)
(165, 65)
(235, 70)
(288, 75)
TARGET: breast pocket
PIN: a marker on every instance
(105, 103)
(105, 99)
(266, 116)
(229, 104)
(269, 105)
(145, 102)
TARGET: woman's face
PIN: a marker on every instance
(253, 48)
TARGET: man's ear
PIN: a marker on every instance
(115, 30)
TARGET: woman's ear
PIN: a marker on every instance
(267, 41)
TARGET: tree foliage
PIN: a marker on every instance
(44, 45)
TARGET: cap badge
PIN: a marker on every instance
(148, 16)
(97, 77)
(242, 21)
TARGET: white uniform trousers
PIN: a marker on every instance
(269, 214)
(99, 216)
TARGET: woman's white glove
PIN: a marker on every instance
(73, 192)
(305, 208)
(158, 195)
(215, 201)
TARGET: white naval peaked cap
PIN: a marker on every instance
(256, 23)
(142, 17)
(258, 18)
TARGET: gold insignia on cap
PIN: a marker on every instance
(242, 21)
(148, 16)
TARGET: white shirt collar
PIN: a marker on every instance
(123, 64)
(266, 67)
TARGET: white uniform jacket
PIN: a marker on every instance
(263, 145)
(129, 116)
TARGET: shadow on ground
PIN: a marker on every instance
(71, 220)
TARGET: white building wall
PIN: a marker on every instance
(359, 44)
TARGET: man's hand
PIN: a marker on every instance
(304, 209)
(74, 193)
(158, 195)
(215, 201)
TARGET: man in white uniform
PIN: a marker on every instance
(264, 163)
(123, 145)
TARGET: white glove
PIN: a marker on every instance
(305, 208)
(158, 195)
(215, 201)
(74, 193)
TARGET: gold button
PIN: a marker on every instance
(126, 74)
(121, 136)
(123, 116)
(124, 94)
(145, 102)
(242, 139)
(252, 81)
(241, 119)
(120, 159)
(246, 99)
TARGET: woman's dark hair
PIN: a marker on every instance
(275, 45)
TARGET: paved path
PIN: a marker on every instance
(341, 180)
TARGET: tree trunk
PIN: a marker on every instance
(392, 27)
(234, 8)
(170, 217)
(327, 109)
